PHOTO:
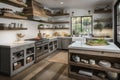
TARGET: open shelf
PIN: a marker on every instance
(97, 67)
(103, 11)
(65, 14)
(57, 22)
(53, 28)
(103, 20)
(61, 22)
(14, 3)
(15, 29)
(30, 58)
(18, 64)
(83, 77)
(10, 15)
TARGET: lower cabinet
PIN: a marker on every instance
(64, 42)
(13, 60)
(53, 45)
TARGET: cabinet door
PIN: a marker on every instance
(66, 42)
(59, 43)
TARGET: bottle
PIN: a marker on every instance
(39, 35)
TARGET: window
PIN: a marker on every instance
(82, 25)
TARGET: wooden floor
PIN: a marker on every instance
(44, 70)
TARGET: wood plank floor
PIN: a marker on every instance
(44, 70)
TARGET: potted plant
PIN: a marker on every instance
(40, 26)
(98, 26)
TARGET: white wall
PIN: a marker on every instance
(10, 36)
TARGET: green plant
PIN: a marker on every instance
(98, 26)
(86, 22)
(40, 25)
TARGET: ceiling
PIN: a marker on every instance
(83, 4)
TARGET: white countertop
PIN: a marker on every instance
(81, 45)
(16, 44)
(84, 38)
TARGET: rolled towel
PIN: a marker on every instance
(87, 73)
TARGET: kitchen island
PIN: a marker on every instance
(94, 62)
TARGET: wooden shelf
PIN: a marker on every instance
(54, 28)
(10, 15)
(83, 77)
(65, 14)
(14, 3)
(15, 29)
(103, 20)
(97, 67)
(60, 22)
(103, 11)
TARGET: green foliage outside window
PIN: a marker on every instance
(81, 25)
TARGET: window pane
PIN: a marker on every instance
(81, 25)
(76, 25)
(86, 25)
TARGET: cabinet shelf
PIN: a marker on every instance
(13, 16)
(14, 3)
(27, 55)
(15, 60)
(97, 67)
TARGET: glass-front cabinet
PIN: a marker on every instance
(117, 23)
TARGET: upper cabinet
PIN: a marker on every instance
(17, 3)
